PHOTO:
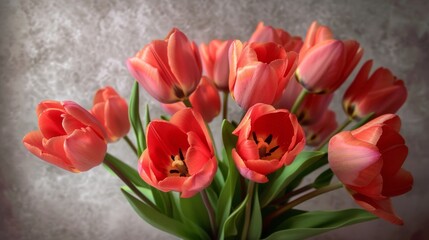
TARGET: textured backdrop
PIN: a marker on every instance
(67, 49)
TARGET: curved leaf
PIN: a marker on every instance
(135, 120)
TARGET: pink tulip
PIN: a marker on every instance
(215, 62)
(179, 155)
(112, 111)
(325, 63)
(268, 139)
(317, 132)
(368, 161)
(269, 34)
(380, 93)
(204, 100)
(169, 69)
(259, 72)
(69, 137)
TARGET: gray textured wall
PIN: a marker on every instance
(67, 49)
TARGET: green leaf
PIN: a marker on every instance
(163, 201)
(195, 211)
(303, 163)
(166, 118)
(160, 220)
(255, 228)
(147, 115)
(323, 179)
(228, 191)
(135, 120)
(230, 228)
(313, 223)
(147, 192)
(129, 172)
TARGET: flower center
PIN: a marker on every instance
(178, 165)
(266, 147)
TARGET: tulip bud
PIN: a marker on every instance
(112, 111)
(214, 57)
(68, 137)
(169, 69)
(269, 34)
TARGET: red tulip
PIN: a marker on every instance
(169, 69)
(179, 155)
(368, 161)
(312, 108)
(267, 140)
(69, 136)
(204, 100)
(215, 62)
(269, 34)
(317, 132)
(325, 63)
(112, 111)
(380, 93)
(259, 72)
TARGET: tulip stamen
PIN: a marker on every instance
(178, 165)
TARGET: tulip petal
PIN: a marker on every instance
(201, 180)
(50, 123)
(382, 208)
(183, 62)
(354, 162)
(85, 149)
(149, 77)
(197, 154)
(47, 105)
(171, 183)
(264, 166)
(253, 113)
(117, 122)
(245, 171)
(83, 116)
(33, 142)
(398, 184)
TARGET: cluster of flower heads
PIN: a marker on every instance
(265, 76)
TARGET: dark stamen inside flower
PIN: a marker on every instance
(178, 165)
(264, 149)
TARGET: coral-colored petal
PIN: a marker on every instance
(47, 105)
(117, 122)
(172, 183)
(33, 142)
(83, 116)
(50, 123)
(264, 166)
(248, 150)
(201, 180)
(253, 113)
(85, 149)
(197, 155)
(149, 77)
(354, 162)
(182, 62)
(382, 208)
(373, 189)
(398, 184)
(245, 171)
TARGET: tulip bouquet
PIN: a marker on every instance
(252, 186)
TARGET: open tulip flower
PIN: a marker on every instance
(252, 185)
(368, 161)
(180, 155)
(112, 111)
(267, 140)
(259, 72)
(170, 70)
(380, 93)
(68, 136)
(204, 100)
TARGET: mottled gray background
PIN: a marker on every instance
(67, 49)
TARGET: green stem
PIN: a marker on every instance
(210, 212)
(107, 161)
(225, 105)
(132, 146)
(300, 200)
(339, 129)
(250, 191)
(293, 193)
(299, 101)
(187, 102)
